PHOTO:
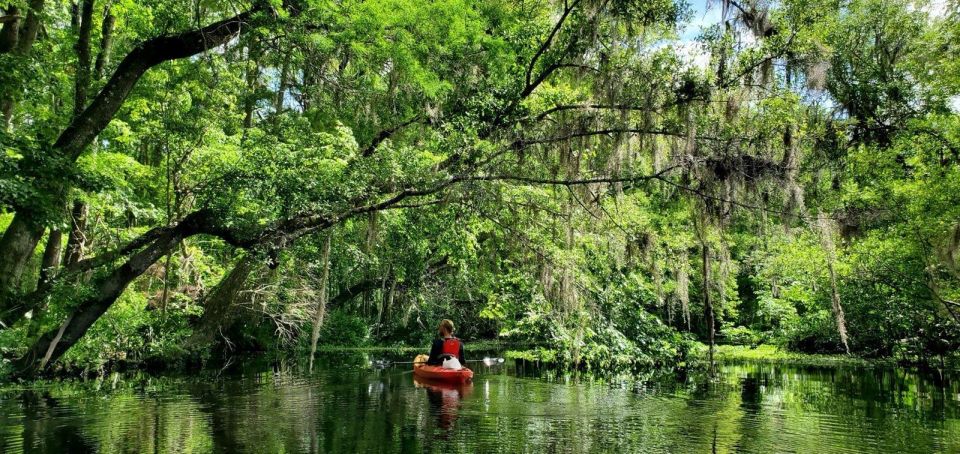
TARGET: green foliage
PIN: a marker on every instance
(569, 177)
(129, 334)
(778, 355)
(741, 335)
(814, 332)
(346, 330)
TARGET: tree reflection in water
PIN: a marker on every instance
(341, 408)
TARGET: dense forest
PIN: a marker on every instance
(598, 182)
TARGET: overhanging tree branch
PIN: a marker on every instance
(144, 56)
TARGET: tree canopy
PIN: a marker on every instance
(596, 179)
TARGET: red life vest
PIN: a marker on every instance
(451, 346)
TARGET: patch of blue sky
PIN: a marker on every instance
(703, 15)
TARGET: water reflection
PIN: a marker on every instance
(750, 408)
(445, 399)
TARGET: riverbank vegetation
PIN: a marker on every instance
(602, 179)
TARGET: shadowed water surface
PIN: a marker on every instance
(749, 408)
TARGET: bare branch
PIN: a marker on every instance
(549, 41)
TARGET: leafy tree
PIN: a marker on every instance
(556, 174)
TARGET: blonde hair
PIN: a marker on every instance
(446, 324)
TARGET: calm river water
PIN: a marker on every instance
(749, 408)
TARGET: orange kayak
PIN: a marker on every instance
(439, 374)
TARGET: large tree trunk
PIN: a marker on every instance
(24, 42)
(52, 255)
(219, 310)
(10, 31)
(16, 248)
(20, 239)
(82, 79)
(52, 345)
(18, 307)
(18, 236)
(28, 32)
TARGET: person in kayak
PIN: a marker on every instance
(447, 351)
